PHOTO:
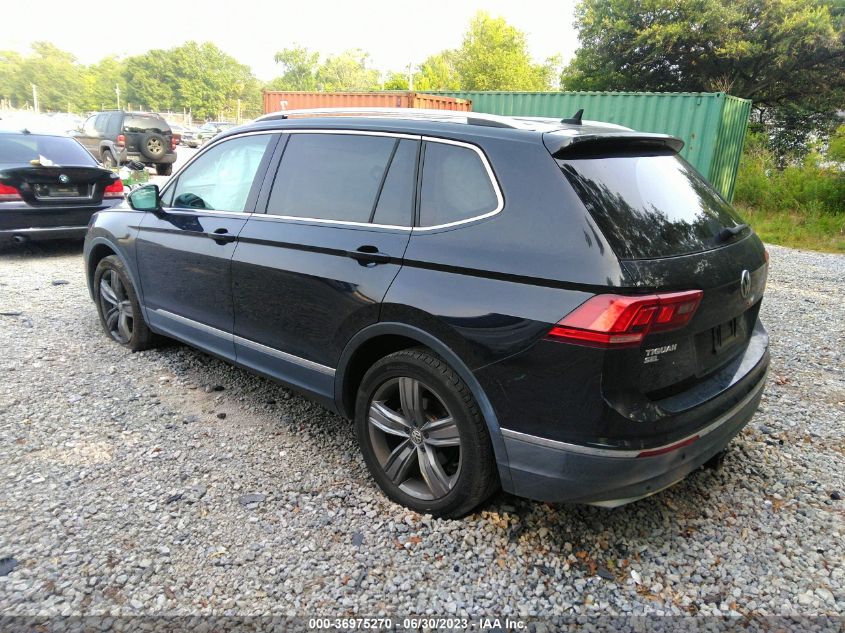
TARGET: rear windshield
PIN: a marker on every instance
(22, 149)
(649, 206)
(145, 122)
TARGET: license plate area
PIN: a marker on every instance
(725, 335)
(43, 191)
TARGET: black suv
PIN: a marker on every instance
(565, 309)
(115, 137)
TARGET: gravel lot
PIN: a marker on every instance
(170, 482)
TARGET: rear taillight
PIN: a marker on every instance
(623, 321)
(114, 189)
(8, 193)
(174, 141)
(121, 140)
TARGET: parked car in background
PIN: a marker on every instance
(115, 137)
(565, 309)
(209, 130)
(186, 133)
(50, 187)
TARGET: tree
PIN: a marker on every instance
(494, 56)
(100, 80)
(299, 67)
(198, 77)
(438, 72)
(347, 72)
(772, 51)
(396, 81)
(55, 72)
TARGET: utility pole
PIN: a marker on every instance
(410, 76)
(117, 92)
(34, 97)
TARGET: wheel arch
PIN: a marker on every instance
(100, 248)
(380, 339)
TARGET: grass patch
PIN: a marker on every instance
(817, 231)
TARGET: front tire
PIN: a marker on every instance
(422, 435)
(118, 307)
(109, 161)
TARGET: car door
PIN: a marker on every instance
(184, 252)
(316, 259)
(89, 136)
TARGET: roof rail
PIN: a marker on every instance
(449, 116)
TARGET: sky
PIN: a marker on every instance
(395, 33)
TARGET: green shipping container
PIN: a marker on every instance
(712, 125)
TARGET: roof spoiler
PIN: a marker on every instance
(561, 145)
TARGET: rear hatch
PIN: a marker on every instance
(139, 127)
(672, 232)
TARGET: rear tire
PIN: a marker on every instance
(108, 160)
(422, 435)
(163, 169)
(118, 307)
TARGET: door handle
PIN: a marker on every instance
(222, 236)
(369, 255)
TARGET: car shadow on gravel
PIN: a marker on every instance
(46, 249)
(665, 516)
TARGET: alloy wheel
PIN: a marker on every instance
(154, 145)
(116, 307)
(415, 438)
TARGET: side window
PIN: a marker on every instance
(396, 200)
(455, 185)
(100, 123)
(330, 176)
(222, 177)
(89, 129)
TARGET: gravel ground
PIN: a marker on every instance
(168, 482)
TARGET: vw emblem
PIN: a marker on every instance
(63, 178)
(416, 436)
(745, 284)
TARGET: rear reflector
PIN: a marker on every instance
(114, 190)
(668, 449)
(623, 321)
(8, 193)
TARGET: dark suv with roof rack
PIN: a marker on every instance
(565, 309)
(115, 137)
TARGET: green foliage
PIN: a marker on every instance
(836, 146)
(396, 81)
(194, 76)
(299, 66)
(198, 77)
(808, 185)
(774, 52)
(55, 73)
(347, 71)
(438, 72)
(494, 56)
(801, 205)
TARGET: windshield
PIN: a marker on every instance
(22, 149)
(650, 206)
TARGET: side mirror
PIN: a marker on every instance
(146, 198)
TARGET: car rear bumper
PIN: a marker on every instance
(34, 234)
(552, 471)
(164, 160)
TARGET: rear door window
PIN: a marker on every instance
(396, 201)
(649, 206)
(330, 176)
(456, 185)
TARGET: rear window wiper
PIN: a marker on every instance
(729, 231)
